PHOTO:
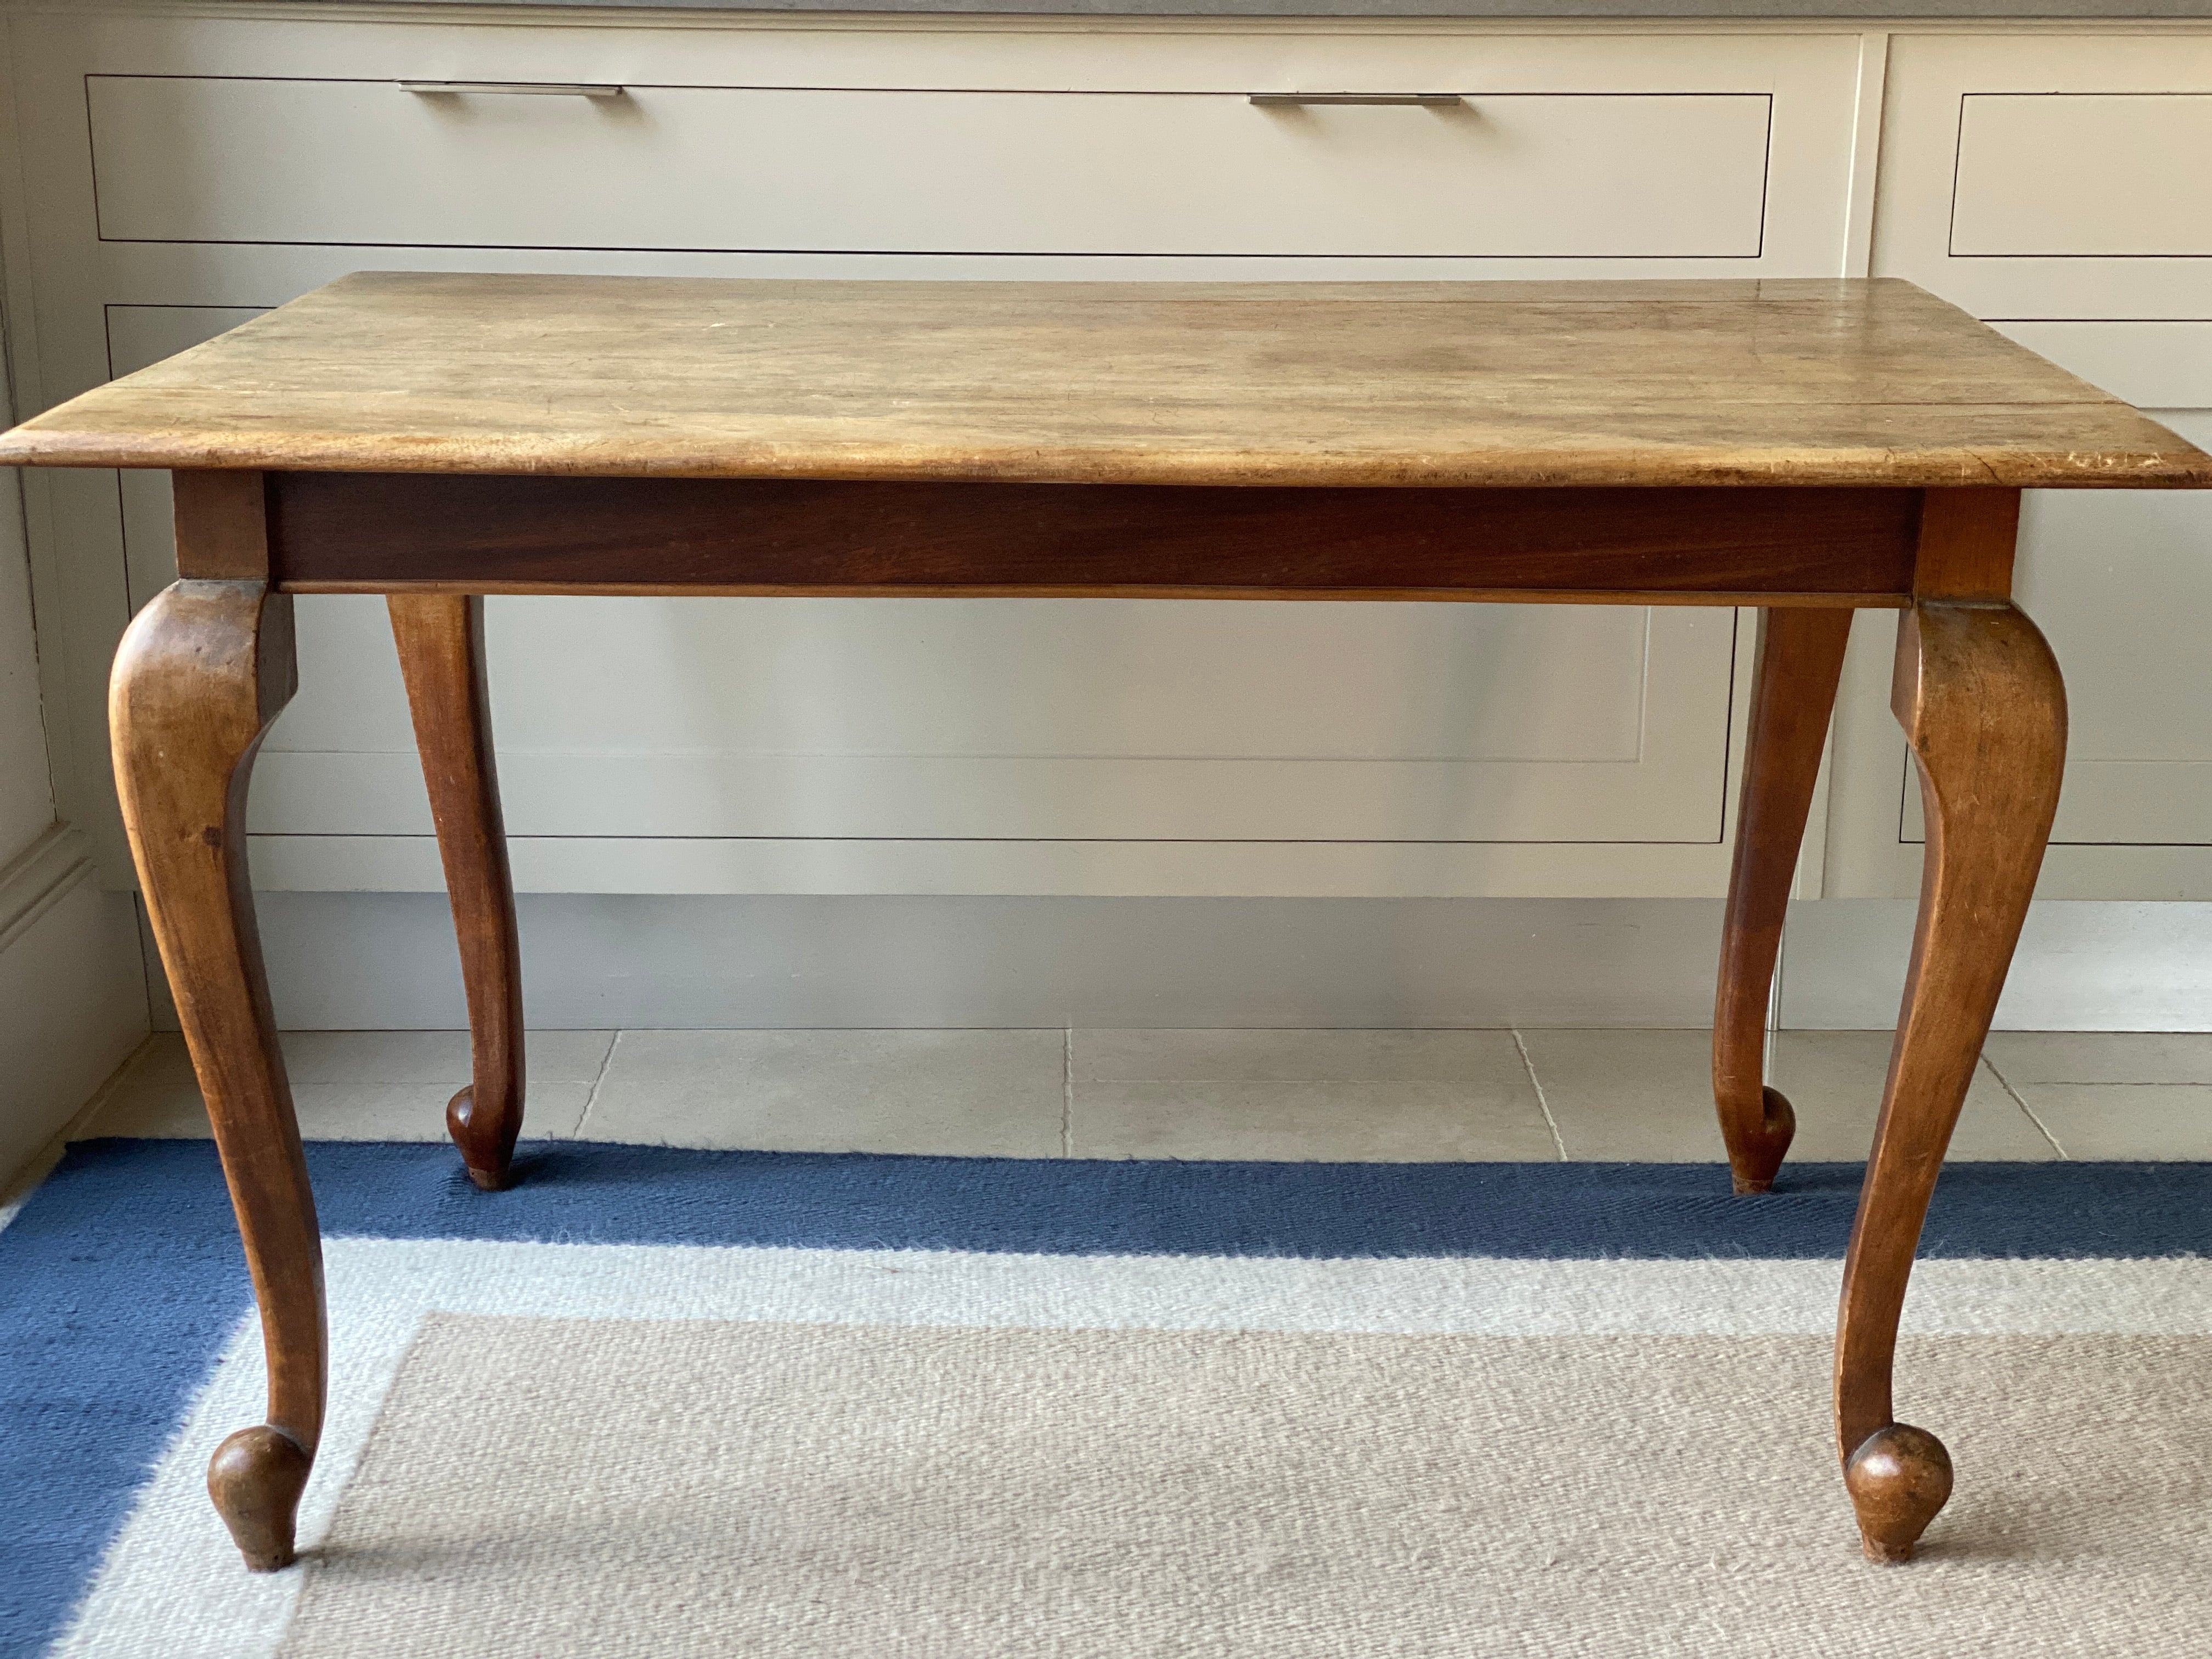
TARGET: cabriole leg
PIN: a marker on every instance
(1981, 702)
(440, 640)
(199, 678)
(1801, 657)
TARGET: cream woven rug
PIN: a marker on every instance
(710, 1487)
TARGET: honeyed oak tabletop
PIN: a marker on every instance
(1499, 384)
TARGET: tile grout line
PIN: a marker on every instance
(592, 1097)
(2020, 1100)
(1542, 1105)
(1067, 1091)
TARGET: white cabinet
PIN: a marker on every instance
(182, 170)
(2050, 176)
(2054, 186)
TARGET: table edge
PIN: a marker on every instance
(2184, 467)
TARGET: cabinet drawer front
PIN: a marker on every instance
(2083, 175)
(2051, 177)
(1542, 175)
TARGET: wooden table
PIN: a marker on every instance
(1808, 447)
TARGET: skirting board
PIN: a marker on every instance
(75, 1000)
(386, 961)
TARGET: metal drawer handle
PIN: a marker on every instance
(1420, 99)
(525, 89)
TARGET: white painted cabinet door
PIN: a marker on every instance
(2051, 177)
(2053, 186)
(674, 744)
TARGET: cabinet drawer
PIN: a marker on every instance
(2075, 175)
(2053, 178)
(1534, 175)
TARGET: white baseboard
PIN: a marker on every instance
(72, 986)
(2082, 965)
(40, 876)
(386, 961)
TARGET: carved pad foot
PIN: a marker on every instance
(488, 1161)
(1899, 1477)
(1754, 1165)
(256, 1478)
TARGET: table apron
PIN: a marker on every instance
(384, 532)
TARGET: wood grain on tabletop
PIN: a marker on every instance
(1605, 383)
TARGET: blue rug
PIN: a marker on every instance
(121, 1281)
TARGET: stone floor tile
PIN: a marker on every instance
(972, 1093)
(347, 1089)
(2101, 1056)
(1304, 1095)
(1646, 1097)
(2125, 1119)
